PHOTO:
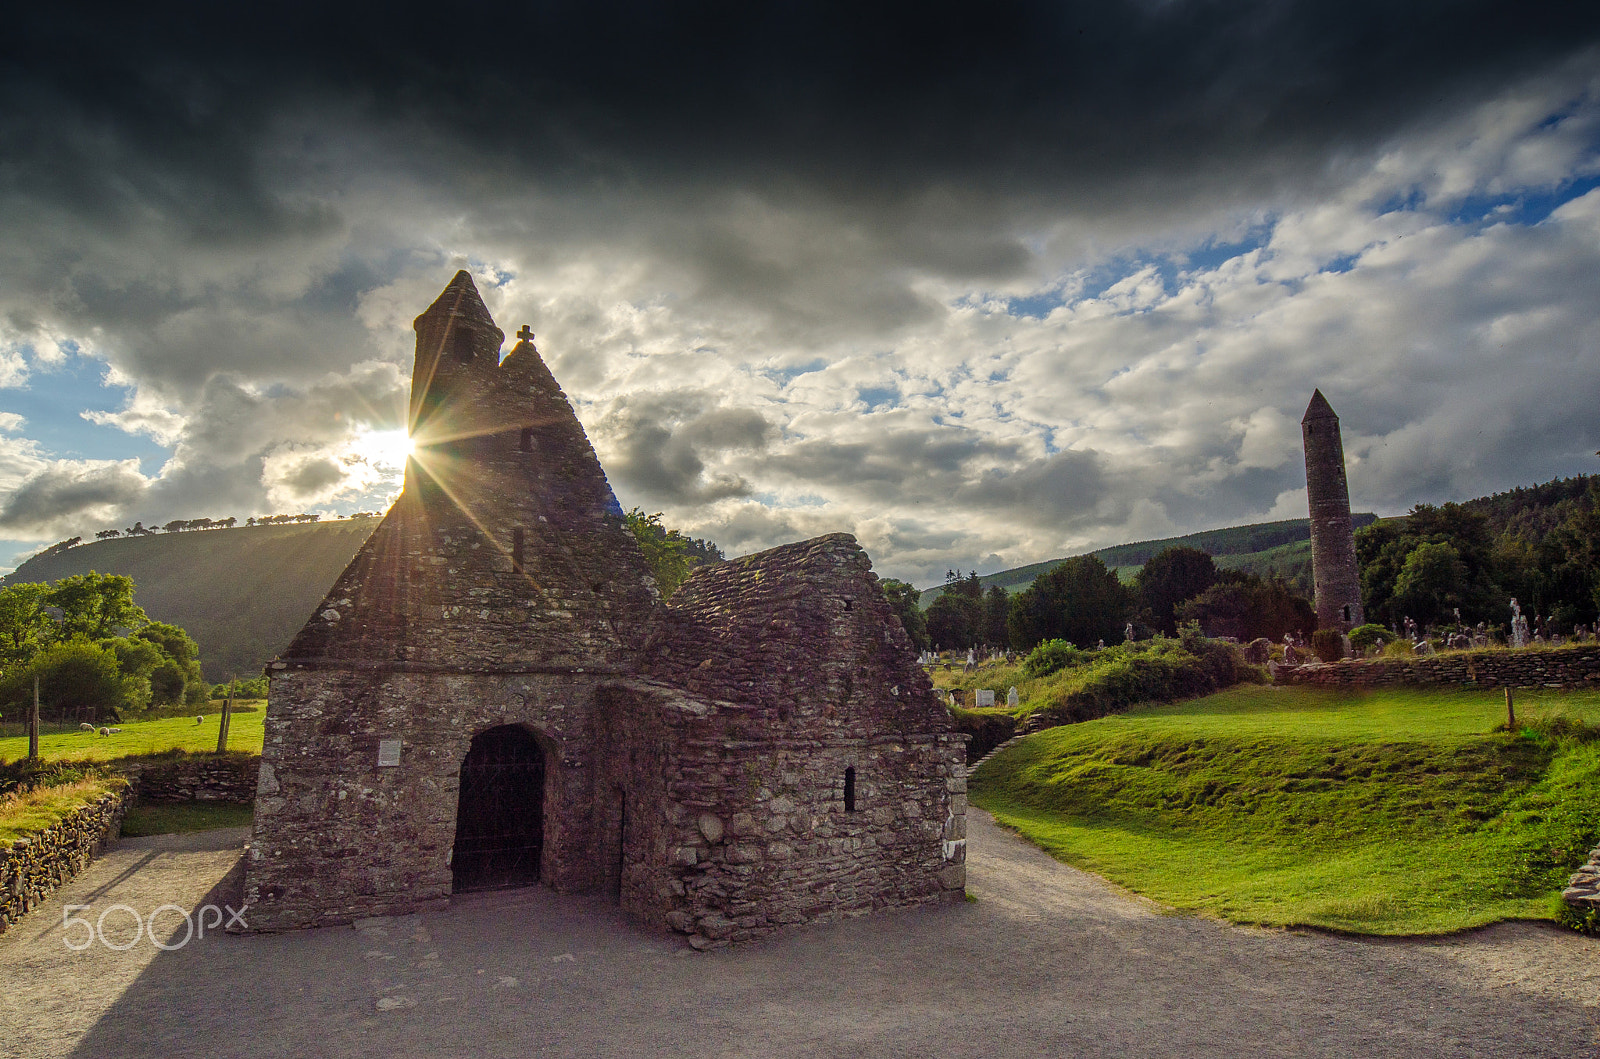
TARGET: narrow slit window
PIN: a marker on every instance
(526, 442)
(517, 537)
(850, 790)
(1347, 612)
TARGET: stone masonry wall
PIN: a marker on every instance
(809, 676)
(1577, 665)
(756, 834)
(339, 837)
(207, 778)
(32, 867)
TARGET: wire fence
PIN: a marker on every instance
(53, 722)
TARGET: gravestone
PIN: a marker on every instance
(983, 697)
(1011, 697)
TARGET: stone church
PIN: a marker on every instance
(493, 694)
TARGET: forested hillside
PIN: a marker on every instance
(241, 593)
(1281, 549)
(1540, 544)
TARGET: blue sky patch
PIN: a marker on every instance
(52, 401)
(1525, 208)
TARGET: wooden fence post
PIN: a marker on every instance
(33, 722)
(227, 715)
(1511, 711)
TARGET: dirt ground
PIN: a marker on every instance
(1048, 961)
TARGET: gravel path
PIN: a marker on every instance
(1048, 961)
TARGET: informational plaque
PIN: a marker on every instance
(389, 752)
(985, 698)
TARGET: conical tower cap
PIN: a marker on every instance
(1319, 408)
(460, 299)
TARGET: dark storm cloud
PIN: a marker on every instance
(663, 442)
(889, 458)
(312, 476)
(1064, 489)
(862, 100)
(65, 491)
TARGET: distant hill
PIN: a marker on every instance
(1281, 548)
(241, 593)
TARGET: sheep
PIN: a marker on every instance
(199, 718)
(105, 731)
(86, 726)
(114, 731)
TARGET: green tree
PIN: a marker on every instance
(903, 600)
(955, 619)
(1245, 606)
(1173, 575)
(178, 678)
(1079, 601)
(24, 625)
(997, 617)
(665, 551)
(72, 674)
(94, 606)
(1432, 583)
(1383, 548)
(135, 657)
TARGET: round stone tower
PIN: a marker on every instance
(1335, 574)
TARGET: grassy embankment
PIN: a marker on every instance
(79, 767)
(1390, 812)
(1060, 684)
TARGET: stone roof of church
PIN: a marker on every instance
(507, 548)
(802, 627)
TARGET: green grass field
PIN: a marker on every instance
(145, 737)
(49, 803)
(1393, 812)
(190, 816)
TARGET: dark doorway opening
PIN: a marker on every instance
(500, 815)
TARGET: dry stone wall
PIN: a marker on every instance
(34, 866)
(1577, 665)
(1583, 889)
(208, 778)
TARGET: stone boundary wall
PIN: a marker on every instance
(1583, 889)
(1576, 666)
(32, 867)
(208, 778)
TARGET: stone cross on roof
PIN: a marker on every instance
(526, 334)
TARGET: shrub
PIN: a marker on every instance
(1583, 920)
(1163, 671)
(1052, 656)
(255, 688)
(1369, 635)
(1328, 644)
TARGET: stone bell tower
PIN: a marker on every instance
(1335, 573)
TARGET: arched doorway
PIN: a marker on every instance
(500, 814)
